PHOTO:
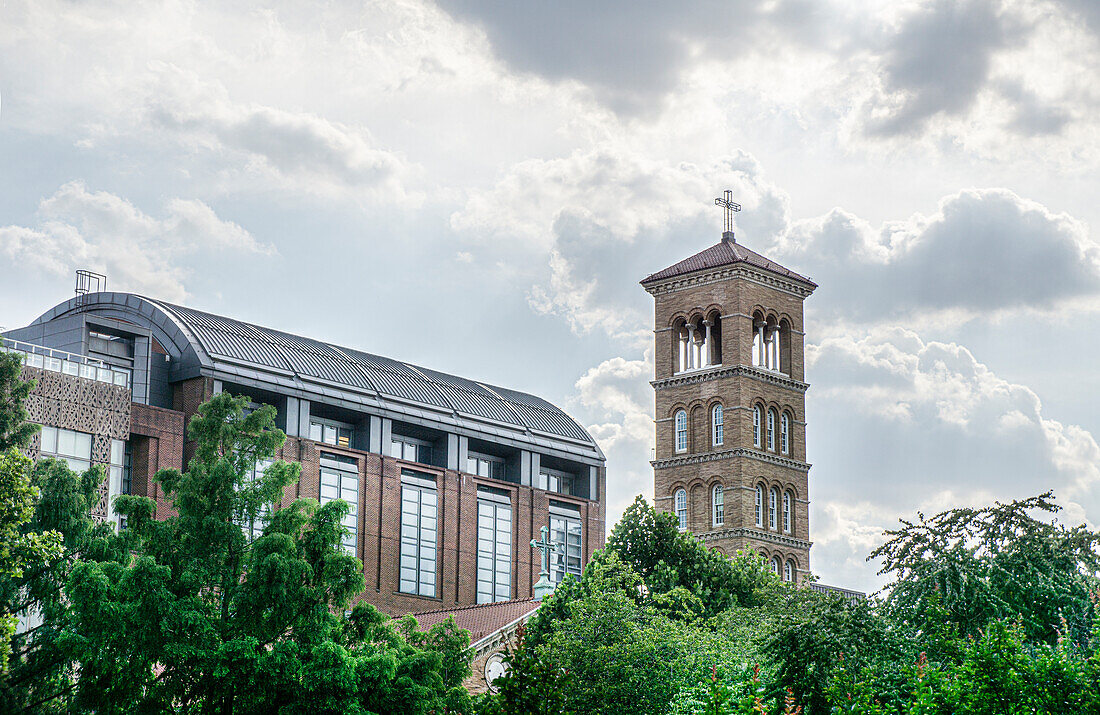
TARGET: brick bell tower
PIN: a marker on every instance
(731, 401)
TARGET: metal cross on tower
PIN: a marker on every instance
(544, 587)
(731, 206)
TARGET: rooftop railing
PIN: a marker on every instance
(68, 363)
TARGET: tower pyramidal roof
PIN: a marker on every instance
(724, 253)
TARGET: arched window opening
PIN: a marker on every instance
(773, 507)
(699, 343)
(771, 430)
(759, 506)
(773, 347)
(785, 433)
(775, 565)
(787, 512)
(788, 572)
(717, 427)
(681, 431)
(719, 506)
(759, 341)
(682, 508)
(713, 339)
(756, 426)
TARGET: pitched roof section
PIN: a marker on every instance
(725, 253)
(267, 348)
(481, 620)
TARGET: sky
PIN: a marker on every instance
(478, 187)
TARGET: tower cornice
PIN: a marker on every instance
(718, 372)
(758, 535)
(730, 454)
(739, 270)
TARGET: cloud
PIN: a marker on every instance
(919, 424)
(632, 54)
(79, 228)
(616, 397)
(983, 252)
(296, 149)
(602, 219)
(938, 61)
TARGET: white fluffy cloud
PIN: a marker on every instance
(78, 228)
(982, 251)
(923, 425)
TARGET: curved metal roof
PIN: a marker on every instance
(216, 339)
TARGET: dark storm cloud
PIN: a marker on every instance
(630, 54)
(939, 60)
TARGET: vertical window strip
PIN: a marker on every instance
(756, 426)
(494, 551)
(759, 506)
(785, 433)
(773, 499)
(343, 484)
(771, 430)
(253, 527)
(566, 559)
(418, 540)
(719, 506)
(718, 425)
(681, 431)
(682, 508)
(787, 512)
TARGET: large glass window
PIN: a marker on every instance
(716, 421)
(756, 426)
(73, 447)
(681, 431)
(565, 531)
(759, 505)
(773, 505)
(484, 465)
(682, 508)
(340, 480)
(253, 528)
(418, 540)
(788, 572)
(330, 433)
(719, 505)
(785, 433)
(494, 551)
(557, 481)
(771, 430)
(410, 449)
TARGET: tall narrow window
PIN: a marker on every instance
(758, 349)
(719, 506)
(785, 433)
(716, 421)
(418, 540)
(787, 512)
(788, 572)
(775, 565)
(771, 430)
(773, 350)
(756, 426)
(340, 480)
(253, 525)
(681, 431)
(759, 505)
(773, 507)
(494, 551)
(565, 531)
(682, 508)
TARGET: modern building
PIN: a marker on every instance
(449, 479)
(730, 403)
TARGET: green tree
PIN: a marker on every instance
(972, 566)
(15, 430)
(186, 615)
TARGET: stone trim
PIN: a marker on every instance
(738, 270)
(758, 535)
(730, 454)
(719, 371)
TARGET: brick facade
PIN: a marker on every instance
(740, 294)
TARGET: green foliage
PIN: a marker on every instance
(186, 615)
(15, 431)
(667, 558)
(998, 562)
